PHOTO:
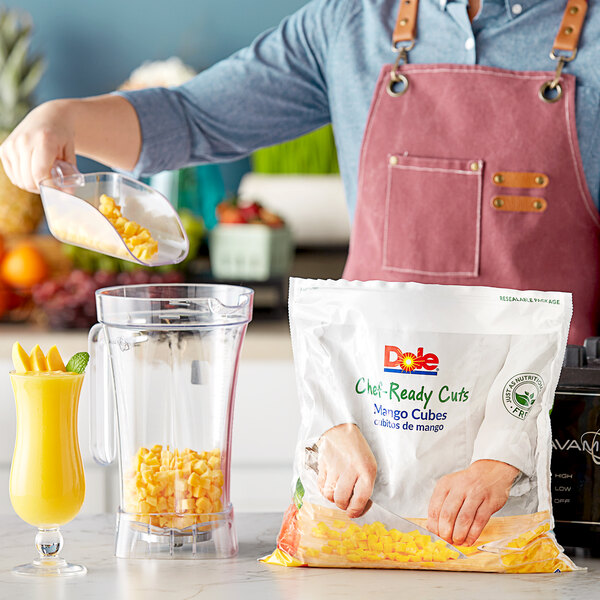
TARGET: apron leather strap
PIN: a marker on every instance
(406, 22)
(566, 39)
(571, 25)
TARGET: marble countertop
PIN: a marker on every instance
(89, 540)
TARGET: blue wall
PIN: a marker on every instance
(91, 46)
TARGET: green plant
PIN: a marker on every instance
(19, 73)
(313, 153)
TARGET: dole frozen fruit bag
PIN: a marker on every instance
(425, 436)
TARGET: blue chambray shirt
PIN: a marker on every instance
(321, 65)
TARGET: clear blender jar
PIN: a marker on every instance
(164, 361)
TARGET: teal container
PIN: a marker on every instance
(198, 189)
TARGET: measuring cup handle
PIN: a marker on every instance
(65, 174)
(102, 398)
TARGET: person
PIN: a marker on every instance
(468, 157)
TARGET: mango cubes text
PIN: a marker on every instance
(373, 543)
(137, 238)
(173, 488)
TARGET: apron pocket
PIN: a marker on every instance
(432, 216)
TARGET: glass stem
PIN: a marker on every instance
(48, 542)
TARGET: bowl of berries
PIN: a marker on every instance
(249, 243)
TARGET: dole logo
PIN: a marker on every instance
(396, 361)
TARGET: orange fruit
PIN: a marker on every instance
(23, 267)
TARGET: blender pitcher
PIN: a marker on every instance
(165, 357)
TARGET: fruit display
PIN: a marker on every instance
(250, 243)
(20, 211)
(23, 267)
(69, 301)
(234, 212)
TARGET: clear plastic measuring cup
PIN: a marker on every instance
(71, 201)
(165, 357)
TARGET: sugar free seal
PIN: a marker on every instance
(521, 392)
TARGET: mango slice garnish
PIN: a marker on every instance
(54, 360)
(20, 359)
(36, 361)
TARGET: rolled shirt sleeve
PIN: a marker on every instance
(503, 436)
(272, 91)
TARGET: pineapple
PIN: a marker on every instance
(20, 211)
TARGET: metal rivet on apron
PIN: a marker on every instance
(393, 160)
(403, 22)
(539, 180)
(474, 166)
(573, 10)
(568, 30)
(498, 178)
(498, 202)
(537, 205)
(545, 87)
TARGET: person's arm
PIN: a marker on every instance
(104, 128)
(268, 93)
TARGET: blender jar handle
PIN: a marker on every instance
(102, 398)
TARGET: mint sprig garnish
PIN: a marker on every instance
(78, 362)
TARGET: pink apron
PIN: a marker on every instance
(450, 192)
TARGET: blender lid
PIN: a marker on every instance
(71, 201)
(581, 365)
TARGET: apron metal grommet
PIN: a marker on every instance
(498, 178)
(498, 202)
(540, 180)
(548, 86)
(474, 166)
(393, 160)
(537, 205)
(397, 80)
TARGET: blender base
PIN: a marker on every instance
(215, 538)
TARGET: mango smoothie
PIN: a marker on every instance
(47, 485)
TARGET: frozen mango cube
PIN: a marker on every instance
(203, 505)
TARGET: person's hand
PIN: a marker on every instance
(463, 502)
(347, 469)
(45, 135)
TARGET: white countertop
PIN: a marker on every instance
(89, 540)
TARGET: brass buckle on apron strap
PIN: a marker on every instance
(398, 83)
(564, 48)
(553, 86)
(403, 38)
